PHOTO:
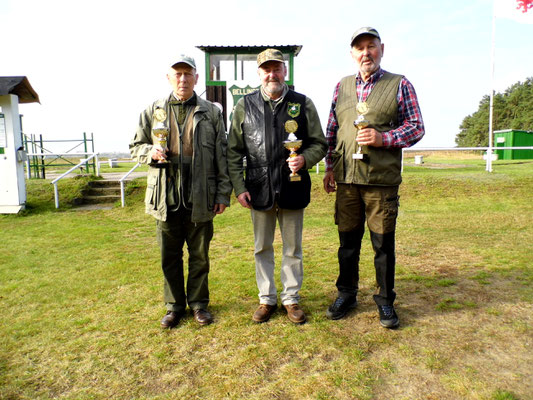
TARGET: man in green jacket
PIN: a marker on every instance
(262, 122)
(183, 140)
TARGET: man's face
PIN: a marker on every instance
(367, 52)
(182, 78)
(272, 75)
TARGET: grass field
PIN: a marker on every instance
(81, 300)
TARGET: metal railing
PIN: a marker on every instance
(489, 150)
(122, 195)
(60, 155)
(83, 161)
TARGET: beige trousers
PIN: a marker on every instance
(291, 273)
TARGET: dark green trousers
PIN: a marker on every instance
(172, 234)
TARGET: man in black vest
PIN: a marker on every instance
(262, 122)
(373, 115)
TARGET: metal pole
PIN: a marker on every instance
(97, 165)
(35, 160)
(96, 170)
(42, 157)
(56, 195)
(491, 103)
(122, 199)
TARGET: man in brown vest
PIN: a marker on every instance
(374, 114)
(183, 140)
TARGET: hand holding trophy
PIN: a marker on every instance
(360, 123)
(292, 144)
(161, 132)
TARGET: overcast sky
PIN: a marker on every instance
(97, 64)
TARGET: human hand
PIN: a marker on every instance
(369, 137)
(296, 163)
(244, 199)
(329, 182)
(219, 208)
(158, 153)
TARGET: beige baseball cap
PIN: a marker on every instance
(269, 55)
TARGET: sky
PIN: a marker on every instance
(96, 65)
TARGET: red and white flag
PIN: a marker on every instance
(517, 10)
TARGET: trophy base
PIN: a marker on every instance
(295, 178)
(360, 156)
(160, 164)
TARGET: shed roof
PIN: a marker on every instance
(256, 49)
(20, 86)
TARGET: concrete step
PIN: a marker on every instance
(104, 183)
(102, 191)
(100, 199)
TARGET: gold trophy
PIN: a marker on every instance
(161, 132)
(360, 123)
(292, 144)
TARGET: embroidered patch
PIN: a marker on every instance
(294, 109)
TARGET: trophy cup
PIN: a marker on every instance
(360, 123)
(161, 132)
(292, 144)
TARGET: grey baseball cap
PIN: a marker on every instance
(184, 59)
(366, 30)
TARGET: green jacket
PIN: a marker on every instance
(211, 184)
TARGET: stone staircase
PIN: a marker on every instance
(100, 194)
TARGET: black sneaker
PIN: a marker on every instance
(388, 317)
(340, 307)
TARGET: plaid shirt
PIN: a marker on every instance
(411, 127)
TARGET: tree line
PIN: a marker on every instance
(513, 109)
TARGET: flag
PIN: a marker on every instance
(517, 10)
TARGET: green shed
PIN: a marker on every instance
(513, 138)
(231, 72)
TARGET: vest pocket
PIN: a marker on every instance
(385, 166)
(258, 185)
(338, 162)
(295, 195)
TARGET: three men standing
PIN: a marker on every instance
(187, 185)
(259, 169)
(374, 114)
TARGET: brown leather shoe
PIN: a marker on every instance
(295, 313)
(171, 319)
(264, 312)
(203, 317)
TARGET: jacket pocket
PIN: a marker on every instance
(152, 188)
(211, 192)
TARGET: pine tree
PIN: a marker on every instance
(513, 109)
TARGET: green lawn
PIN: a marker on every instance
(81, 295)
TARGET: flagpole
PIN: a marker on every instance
(491, 103)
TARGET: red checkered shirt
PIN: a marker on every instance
(411, 127)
